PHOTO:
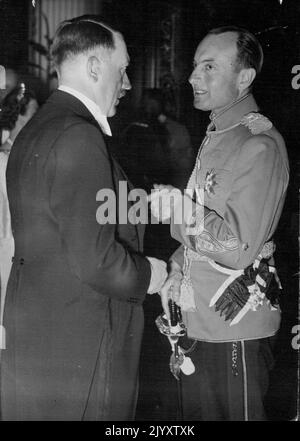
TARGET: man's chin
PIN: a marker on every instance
(112, 112)
(199, 105)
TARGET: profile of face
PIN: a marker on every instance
(114, 81)
(215, 81)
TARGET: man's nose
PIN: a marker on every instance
(196, 76)
(126, 82)
(192, 78)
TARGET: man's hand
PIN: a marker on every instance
(158, 274)
(160, 204)
(163, 187)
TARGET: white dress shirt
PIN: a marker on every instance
(91, 106)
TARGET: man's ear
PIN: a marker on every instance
(246, 78)
(94, 65)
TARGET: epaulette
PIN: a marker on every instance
(256, 123)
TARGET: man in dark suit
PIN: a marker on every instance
(73, 313)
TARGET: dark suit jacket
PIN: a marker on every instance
(73, 313)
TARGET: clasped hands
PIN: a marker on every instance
(159, 204)
(171, 287)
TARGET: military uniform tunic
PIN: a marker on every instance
(242, 168)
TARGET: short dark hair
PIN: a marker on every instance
(249, 50)
(80, 35)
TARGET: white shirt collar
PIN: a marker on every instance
(91, 106)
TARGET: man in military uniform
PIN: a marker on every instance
(223, 274)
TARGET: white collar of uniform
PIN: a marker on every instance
(91, 106)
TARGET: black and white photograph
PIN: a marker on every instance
(149, 213)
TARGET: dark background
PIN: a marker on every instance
(277, 27)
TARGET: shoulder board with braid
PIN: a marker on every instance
(256, 123)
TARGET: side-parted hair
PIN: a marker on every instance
(250, 53)
(79, 35)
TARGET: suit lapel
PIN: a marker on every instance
(121, 176)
